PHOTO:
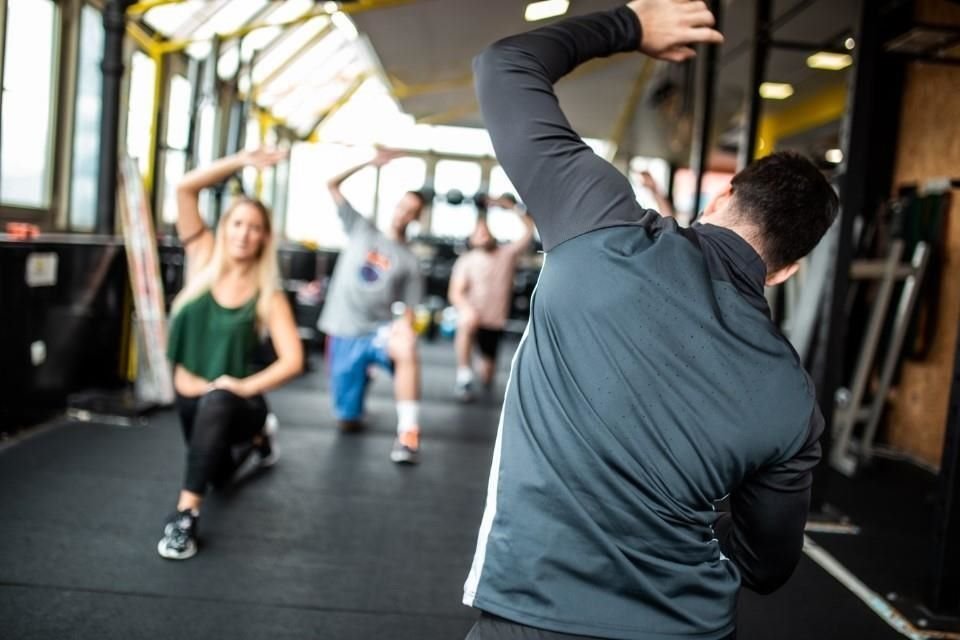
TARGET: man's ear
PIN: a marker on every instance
(782, 274)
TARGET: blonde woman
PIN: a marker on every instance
(230, 300)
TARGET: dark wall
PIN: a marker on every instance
(59, 338)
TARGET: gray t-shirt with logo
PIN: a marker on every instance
(372, 273)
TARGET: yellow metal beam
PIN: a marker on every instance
(629, 110)
(158, 77)
(820, 109)
(142, 38)
(336, 106)
(140, 8)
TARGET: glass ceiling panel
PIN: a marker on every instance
(314, 67)
(169, 18)
(289, 10)
(311, 100)
(290, 46)
(230, 17)
(371, 116)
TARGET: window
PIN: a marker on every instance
(460, 140)
(455, 220)
(504, 225)
(85, 166)
(396, 178)
(658, 169)
(683, 185)
(140, 109)
(177, 141)
(311, 213)
(28, 98)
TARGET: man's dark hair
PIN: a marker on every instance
(789, 201)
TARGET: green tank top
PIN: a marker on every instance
(210, 341)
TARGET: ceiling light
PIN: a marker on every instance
(545, 9)
(829, 61)
(776, 90)
(345, 24)
(834, 156)
(849, 44)
(331, 7)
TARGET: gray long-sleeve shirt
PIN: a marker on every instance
(650, 384)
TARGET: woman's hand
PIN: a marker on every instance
(235, 386)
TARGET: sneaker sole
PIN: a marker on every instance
(402, 457)
(189, 552)
(270, 460)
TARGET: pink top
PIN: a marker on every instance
(489, 278)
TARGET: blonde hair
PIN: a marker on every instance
(266, 269)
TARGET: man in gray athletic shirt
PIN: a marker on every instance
(651, 381)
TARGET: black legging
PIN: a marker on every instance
(213, 424)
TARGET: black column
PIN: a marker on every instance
(114, 24)
(703, 109)
(758, 66)
(869, 144)
(944, 583)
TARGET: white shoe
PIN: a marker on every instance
(268, 451)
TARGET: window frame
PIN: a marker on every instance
(62, 55)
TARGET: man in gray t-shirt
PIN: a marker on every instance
(375, 270)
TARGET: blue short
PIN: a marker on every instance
(348, 359)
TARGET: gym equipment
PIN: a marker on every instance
(456, 197)
(848, 452)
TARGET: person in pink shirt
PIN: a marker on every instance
(481, 287)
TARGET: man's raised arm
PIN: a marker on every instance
(571, 189)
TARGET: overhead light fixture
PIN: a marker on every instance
(834, 156)
(345, 24)
(776, 90)
(849, 44)
(829, 61)
(545, 9)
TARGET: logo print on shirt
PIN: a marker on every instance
(374, 267)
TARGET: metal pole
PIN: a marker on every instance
(758, 65)
(856, 143)
(114, 24)
(193, 77)
(703, 110)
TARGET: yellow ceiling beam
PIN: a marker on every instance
(313, 136)
(143, 39)
(140, 8)
(820, 109)
(629, 110)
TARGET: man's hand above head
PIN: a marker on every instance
(672, 27)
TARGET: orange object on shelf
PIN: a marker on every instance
(22, 230)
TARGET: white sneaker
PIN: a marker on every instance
(267, 450)
(464, 391)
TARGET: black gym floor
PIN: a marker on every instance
(334, 542)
